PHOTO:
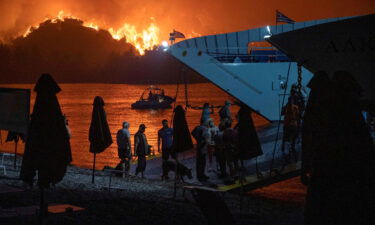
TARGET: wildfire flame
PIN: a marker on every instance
(147, 39)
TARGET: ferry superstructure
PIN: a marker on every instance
(346, 45)
(245, 66)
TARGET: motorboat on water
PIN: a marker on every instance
(247, 67)
(156, 99)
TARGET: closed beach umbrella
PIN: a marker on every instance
(317, 126)
(181, 134)
(47, 148)
(181, 137)
(342, 180)
(248, 143)
(99, 134)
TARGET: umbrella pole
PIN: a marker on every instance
(15, 154)
(175, 178)
(93, 169)
(41, 206)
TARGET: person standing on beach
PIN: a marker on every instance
(141, 149)
(224, 112)
(201, 135)
(124, 146)
(212, 132)
(291, 116)
(206, 111)
(165, 138)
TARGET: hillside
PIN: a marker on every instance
(73, 53)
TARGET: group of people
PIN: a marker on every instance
(221, 142)
(141, 148)
(210, 141)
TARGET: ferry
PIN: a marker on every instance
(246, 66)
(346, 45)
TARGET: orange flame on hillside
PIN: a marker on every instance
(147, 39)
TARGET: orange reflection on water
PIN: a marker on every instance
(76, 102)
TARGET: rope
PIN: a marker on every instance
(175, 100)
(186, 91)
(278, 125)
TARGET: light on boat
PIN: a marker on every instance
(165, 44)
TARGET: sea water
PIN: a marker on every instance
(76, 102)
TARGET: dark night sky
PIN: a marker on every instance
(191, 17)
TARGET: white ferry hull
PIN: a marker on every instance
(256, 83)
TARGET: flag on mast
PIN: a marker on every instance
(178, 34)
(282, 18)
(175, 34)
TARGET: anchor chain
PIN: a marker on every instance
(299, 84)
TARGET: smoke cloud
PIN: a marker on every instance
(192, 17)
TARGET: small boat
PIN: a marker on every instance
(156, 99)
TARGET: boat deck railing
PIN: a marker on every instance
(261, 56)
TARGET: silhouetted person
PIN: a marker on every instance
(124, 146)
(291, 117)
(200, 133)
(141, 149)
(165, 138)
(341, 188)
(224, 112)
(212, 132)
(206, 112)
(230, 141)
(220, 150)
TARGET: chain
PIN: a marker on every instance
(184, 77)
(299, 84)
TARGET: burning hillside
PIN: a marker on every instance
(142, 41)
(74, 52)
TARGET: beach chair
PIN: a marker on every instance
(2, 165)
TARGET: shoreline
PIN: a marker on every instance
(142, 201)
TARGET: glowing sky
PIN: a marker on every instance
(192, 17)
